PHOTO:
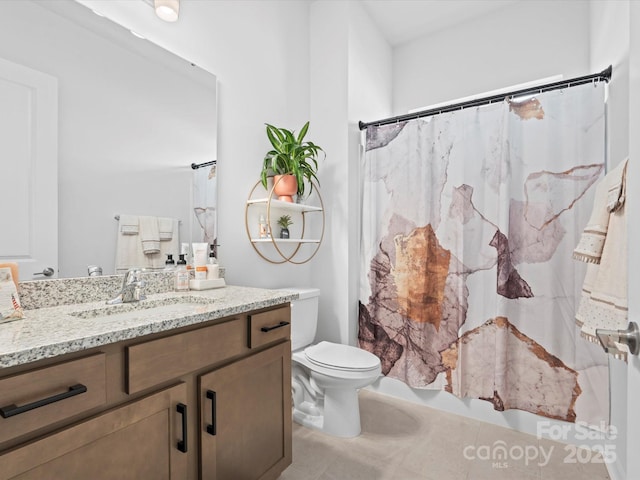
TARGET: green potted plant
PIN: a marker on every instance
(290, 155)
(284, 221)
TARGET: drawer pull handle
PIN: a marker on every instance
(11, 410)
(273, 327)
(211, 429)
(182, 444)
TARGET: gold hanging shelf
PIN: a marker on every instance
(269, 203)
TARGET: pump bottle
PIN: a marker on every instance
(182, 275)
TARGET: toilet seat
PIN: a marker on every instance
(335, 356)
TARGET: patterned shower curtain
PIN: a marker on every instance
(205, 194)
(469, 221)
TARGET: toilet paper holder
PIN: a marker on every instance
(629, 337)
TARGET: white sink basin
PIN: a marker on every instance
(175, 304)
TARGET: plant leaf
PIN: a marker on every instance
(303, 132)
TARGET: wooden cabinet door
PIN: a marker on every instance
(245, 412)
(135, 441)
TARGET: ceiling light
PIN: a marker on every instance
(167, 10)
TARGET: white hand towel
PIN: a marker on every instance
(156, 261)
(150, 236)
(129, 224)
(129, 252)
(165, 228)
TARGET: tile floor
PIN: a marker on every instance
(404, 441)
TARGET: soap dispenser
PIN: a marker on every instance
(170, 264)
(213, 269)
(182, 275)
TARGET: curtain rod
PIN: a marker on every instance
(196, 166)
(604, 75)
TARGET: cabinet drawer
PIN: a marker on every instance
(135, 441)
(156, 361)
(268, 327)
(41, 397)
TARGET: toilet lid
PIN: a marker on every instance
(341, 357)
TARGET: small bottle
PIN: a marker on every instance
(170, 264)
(263, 226)
(182, 275)
(212, 254)
(200, 272)
(212, 265)
(184, 250)
(191, 271)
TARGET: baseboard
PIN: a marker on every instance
(615, 470)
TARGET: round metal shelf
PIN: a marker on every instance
(269, 202)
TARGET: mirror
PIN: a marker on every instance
(132, 118)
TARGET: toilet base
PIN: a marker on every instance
(340, 416)
(341, 412)
(327, 399)
(308, 420)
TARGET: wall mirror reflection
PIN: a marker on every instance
(96, 123)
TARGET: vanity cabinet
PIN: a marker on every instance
(43, 396)
(209, 401)
(135, 441)
(246, 407)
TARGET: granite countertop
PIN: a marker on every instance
(52, 331)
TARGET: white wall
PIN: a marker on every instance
(328, 99)
(350, 81)
(520, 43)
(370, 97)
(609, 45)
(614, 39)
(633, 199)
(259, 52)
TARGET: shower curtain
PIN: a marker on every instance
(469, 220)
(205, 194)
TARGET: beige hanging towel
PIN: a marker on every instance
(150, 235)
(128, 224)
(603, 245)
(128, 245)
(166, 227)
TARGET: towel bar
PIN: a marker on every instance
(629, 337)
(117, 217)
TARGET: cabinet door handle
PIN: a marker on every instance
(182, 444)
(273, 327)
(11, 410)
(211, 429)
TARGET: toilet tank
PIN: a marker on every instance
(304, 316)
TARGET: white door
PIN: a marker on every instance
(28, 170)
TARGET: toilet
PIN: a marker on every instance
(326, 376)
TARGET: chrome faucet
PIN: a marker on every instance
(131, 291)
